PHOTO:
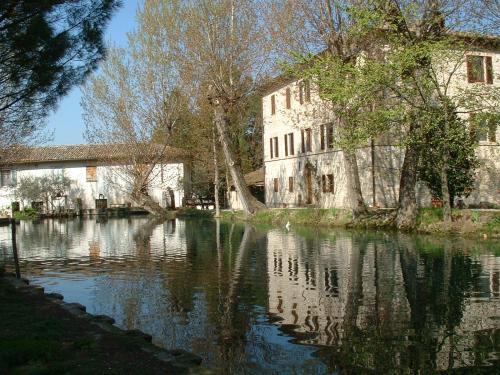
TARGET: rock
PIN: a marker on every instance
(103, 319)
(55, 296)
(75, 306)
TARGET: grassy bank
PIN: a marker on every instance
(38, 336)
(469, 223)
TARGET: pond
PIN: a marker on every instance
(271, 301)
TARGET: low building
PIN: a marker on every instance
(95, 172)
(304, 166)
(255, 182)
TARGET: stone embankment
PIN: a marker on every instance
(41, 333)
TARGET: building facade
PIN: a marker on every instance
(304, 166)
(95, 172)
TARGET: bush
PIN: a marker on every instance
(26, 214)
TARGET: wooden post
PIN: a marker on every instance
(14, 248)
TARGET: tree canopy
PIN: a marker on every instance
(46, 47)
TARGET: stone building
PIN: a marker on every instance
(95, 171)
(304, 167)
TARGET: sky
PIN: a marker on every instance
(66, 121)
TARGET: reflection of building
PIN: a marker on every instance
(95, 171)
(372, 299)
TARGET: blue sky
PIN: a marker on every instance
(66, 121)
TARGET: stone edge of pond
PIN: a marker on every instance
(178, 358)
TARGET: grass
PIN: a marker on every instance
(470, 223)
(39, 337)
(184, 213)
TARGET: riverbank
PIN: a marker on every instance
(466, 223)
(40, 334)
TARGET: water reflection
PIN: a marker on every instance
(268, 301)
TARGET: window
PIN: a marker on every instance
(484, 127)
(275, 185)
(271, 147)
(7, 177)
(91, 173)
(479, 69)
(322, 136)
(329, 135)
(273, 104)
(327, 183)
(304, 91)
(289, 144)
(288, 95)
(290, 184)
(276, 151)
(308, 140)
(303, 142)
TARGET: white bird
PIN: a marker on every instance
(287, 225)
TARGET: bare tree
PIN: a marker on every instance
(134, 101)
(219, 48)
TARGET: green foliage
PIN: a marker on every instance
(27, 213)
(194, 213)
(46, 48)
(461, 157)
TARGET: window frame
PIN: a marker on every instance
(88, 174)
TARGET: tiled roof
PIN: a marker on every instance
(101, 152)
(255, 178)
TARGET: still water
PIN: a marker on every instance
(271, 301)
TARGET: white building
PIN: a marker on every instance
(303, 166)
(95, 171)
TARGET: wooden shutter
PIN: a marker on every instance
(273, 104)
(303, 144)
(292, 150)
(91, 173)
(276, 151)
(308, 140)
(271, 147)
(322, 136)
(290, 184)
(329, 136)
(307, 89)
(288, 98)
(330, 183)
(323, 183)
(470, 72)
(489, 69)
(286, 144)
(301, 92)
(275, 183)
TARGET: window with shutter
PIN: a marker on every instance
(308, 140)
(479, 69)
(5, 177)
(301, 92)
(290, 184)
(276, 150)
(323, 184)
(271, 147)
(291, 144)
(275, 185)
(273, 104)
(286, 144)
(91, 173)
(322, 136)
(303, 143)
(329, 136)
(307, 90)
(288, 95)
(330, 183)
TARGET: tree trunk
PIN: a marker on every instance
(407, 211)
(445, 192)
(250, 204)
(149, 204)
(216, 175)
(354, 184)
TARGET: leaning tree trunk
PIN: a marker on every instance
(144, 200)
(407, 211)
(250, 203)
(445, 192)
(354, 184)
(216, 175)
